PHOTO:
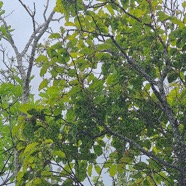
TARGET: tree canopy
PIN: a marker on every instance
(111, 99)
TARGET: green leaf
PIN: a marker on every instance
(89, 171)
(43, 84)
(32, 111)
(43, 70)
(68, 182)
(55, 36)
(59, 154)
(30, 147)
(36, 181)
(20, 146)
(177, 22)
(172, 76)
(42, 58)
(97, 168)
(113, 170)
(69, 24)
(162, 16)
(98, 150)
(140, 166)
(20, 176)
(1, 4)
(72, 72)
(110, 9)
(184, 4)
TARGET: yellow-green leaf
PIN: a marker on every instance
(30, 147)
(37, 181)
(43, 84)
(19, 176)
(113, 170)
(59, 153)
(89, 171)
(98, 169)
(184, 4)
(69, 24)
(110, 9)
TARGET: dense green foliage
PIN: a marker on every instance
(112, 98)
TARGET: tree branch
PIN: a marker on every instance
(133, 63)
(12, 43)
(41, 30)
(31, 14)
(140, 148)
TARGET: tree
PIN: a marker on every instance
(15, 87)
(113, 88)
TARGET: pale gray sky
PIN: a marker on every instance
(20, 20)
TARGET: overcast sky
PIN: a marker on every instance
(21, 21)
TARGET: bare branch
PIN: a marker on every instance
(12, 43)
(31, 13)
(45, 11)
(41, 30)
